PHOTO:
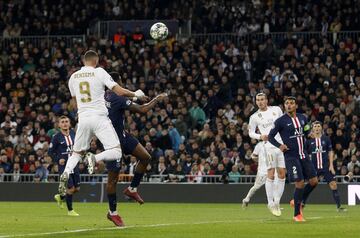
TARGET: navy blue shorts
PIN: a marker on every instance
(328, 176)
(128, 145)
(74, 178)
(298, 170)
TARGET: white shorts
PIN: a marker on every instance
(260, 180)
(101, 127)
(274, 157)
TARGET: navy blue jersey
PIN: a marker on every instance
(318, 149)
(116, 106)
(61, 146)
(291, 130)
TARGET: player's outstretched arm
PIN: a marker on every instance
(127, 93)
(134, 107)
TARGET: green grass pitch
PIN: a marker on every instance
(160, 220)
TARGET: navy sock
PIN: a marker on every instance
(298, 195)
(69, 202)
(336, 197)
(307, 190)
(136, 180)
(112, 202)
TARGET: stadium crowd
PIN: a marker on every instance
(201, 129)
(22, 18)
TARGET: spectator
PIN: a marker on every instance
(197, 115)
(187, 165)
(196, 175)
(234, 175)
(16, 173)
(354, 162)
(41, 172)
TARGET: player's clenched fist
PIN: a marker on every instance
(139, 94)
(161, 97)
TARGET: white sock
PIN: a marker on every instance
(269, 187)
(133, 190)
(113, 213)
(108, 155)
(251, 193)
(72, 162)
(279, 190)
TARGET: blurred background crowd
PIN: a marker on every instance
(30, 17)
(201, 128)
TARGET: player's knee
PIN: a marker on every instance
(118, 152)
(71, 190)
(333, 185)
(257, 186)
(112, 182)
(313, 182)
(146, 160)
(300, 184)
(271, 173)
(281, 173)
(111, 187)
(80, 153)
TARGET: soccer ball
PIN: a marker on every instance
(159, 31)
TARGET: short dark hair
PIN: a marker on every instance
(292, 98)
(90, 55)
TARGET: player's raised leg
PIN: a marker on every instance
(105, 132)
(259, 155)
(143, 160)
(73, 186)
(259, 182)
(82, 141)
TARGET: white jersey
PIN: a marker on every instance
(88, 86)
(259, 151)
(264, 121)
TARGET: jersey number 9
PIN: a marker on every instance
(85, 91)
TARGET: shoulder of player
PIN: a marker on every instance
(274, 108)
(281, 120)
(255, 115)
(100, 70)
(301, 116)
(55, 137)
(282, 117)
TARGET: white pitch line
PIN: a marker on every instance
(133, 226)
(117, 228)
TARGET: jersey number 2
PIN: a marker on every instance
(85, 91)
